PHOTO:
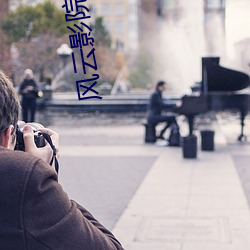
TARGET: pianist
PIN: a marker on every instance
(155, 107)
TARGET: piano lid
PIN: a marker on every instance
(218, 78)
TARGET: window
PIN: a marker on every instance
(170, 4)
(108, 25)
(119, 26)
(92, 9)
(106, 10)
(214, 4)
(119, 9)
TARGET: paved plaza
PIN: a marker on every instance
(149, 195)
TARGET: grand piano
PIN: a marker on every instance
(220, 89)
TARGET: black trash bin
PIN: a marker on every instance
(189, 146)
(207, 140)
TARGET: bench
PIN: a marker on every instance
(150, 132)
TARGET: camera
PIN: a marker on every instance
(38, 137)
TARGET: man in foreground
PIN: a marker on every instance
(35, 212)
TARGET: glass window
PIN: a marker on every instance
(119, 9)
(119, 26)
(106, 9)
(170, 4)
(215, 4)
(108, 25)
(92, 8)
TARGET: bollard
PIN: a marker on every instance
(207, 140)
(189, 146)
(150, 133)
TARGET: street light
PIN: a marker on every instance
(64, 51)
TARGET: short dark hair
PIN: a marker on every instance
(9, 104)
(159, 84)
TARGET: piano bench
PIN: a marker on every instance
(189, 147)
(150, 132)
(207, 140)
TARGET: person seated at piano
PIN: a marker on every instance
(155, 107)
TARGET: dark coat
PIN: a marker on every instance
(31, 94)
(36, 214)
(155, 105)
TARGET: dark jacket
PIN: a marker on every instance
(32, 93)
(36, 214)
(155, 104)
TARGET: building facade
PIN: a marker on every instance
(120, 18)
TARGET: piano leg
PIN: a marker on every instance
(190, 123)
(243, 114)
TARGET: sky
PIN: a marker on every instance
(237, 22)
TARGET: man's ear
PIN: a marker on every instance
(7, 139)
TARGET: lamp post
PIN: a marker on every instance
(64, 51)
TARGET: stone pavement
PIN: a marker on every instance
(189, 204)
(184, 204)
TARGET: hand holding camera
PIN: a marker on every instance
(38, 137)
(41, 142)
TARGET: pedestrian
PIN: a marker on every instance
(155, 108)
(35, 212)
(29, 92)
